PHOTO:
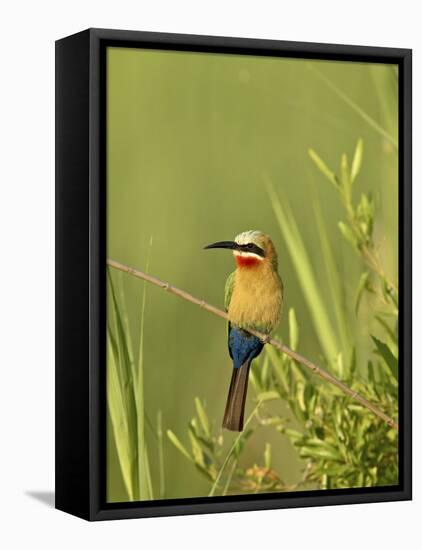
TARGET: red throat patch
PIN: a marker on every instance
(247, 261)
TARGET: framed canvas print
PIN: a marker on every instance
(233, 274)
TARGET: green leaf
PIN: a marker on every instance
(391, 332)
(294, 435)
(340, 365)
(345, 177)
(268, 396)
(202, 415)
(323, 168)
(254, 378)
(316, 442)
(173, 438)
(309, 397)
(365, 215)
(265, 370)
(279, 365)
(125, 384)
(161, 453)
(304, 268)
(371, 374)
(145, 482)
(335, 279)
(348, 235)
(388, 357)
(119, 422)
(320, 452)
(197, 453)
(357, 160)
(124, 366)
(240, 442)
(146, 492)
(293, 329)
(204, 471)
(300, 395)
(297, 408)
(353, 363)
(363, 284)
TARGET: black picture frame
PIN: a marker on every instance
(81, 271)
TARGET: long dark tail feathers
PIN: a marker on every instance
(236, 399)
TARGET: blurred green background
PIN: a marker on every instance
(192, 140)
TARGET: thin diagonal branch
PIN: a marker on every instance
(265, 338)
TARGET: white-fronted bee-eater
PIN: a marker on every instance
(253, 300)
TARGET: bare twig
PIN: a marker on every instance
(264, 337)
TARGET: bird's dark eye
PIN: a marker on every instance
(250, 246)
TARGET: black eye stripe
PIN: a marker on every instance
(251, 247)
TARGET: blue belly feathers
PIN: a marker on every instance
(243, 346)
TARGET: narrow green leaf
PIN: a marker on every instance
(161, 453)
(145, 482)
(363, 283)
(300, 372)
(204, 472)
(293, 329)
(306, 275)
(279, 366)
(197, 453)
(173, 438)
(125, 373)
(340, 365)
(348, 235)
(316, 442)
(323, 168)
(309, 397)
(265, 369)
(334, 279)
(254, 380)
(147, 493)
(294, 435)
(202, 415)
(297, 408)
(119, 421)
(391, 332)
(237, 451)
(345, 175)
(300, 395)
(320, 453)
(268, 396)
(124, 365)
(388, 356)
(124, 315)
(353, 363)
(371, 375)
(357, 160)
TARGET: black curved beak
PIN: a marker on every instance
(231, 245)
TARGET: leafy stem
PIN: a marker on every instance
(358, 230)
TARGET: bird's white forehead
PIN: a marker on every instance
(247, 237)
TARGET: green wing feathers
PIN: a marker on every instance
(228, 290)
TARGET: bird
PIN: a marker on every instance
(253, 299)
